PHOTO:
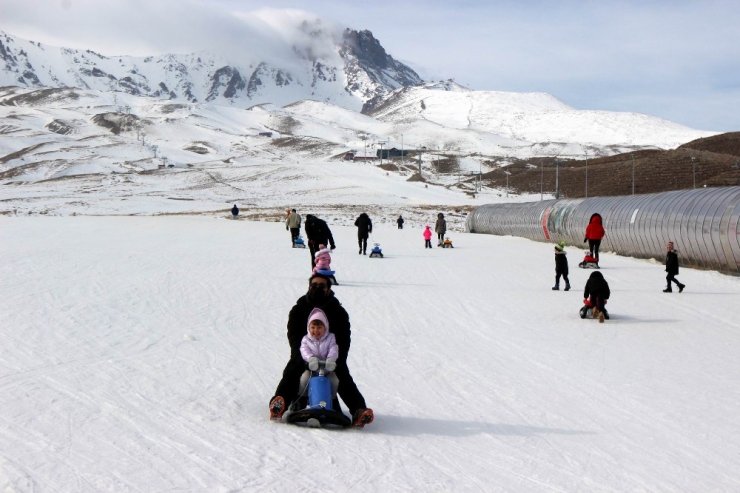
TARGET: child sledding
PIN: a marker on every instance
(322, 264)
(589, 261)
(595, 295)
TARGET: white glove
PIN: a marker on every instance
(330, 365)
(313, 363)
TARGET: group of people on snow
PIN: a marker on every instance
(596, 292)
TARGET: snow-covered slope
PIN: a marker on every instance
(531, 117)
(139, 354)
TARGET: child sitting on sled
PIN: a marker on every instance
(595, 295)
(319, 344)
(322, 259)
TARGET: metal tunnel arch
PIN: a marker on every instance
(702, 222)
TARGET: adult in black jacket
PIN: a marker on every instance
(234, 211)
(364, 228)
(318, 233)
(321, 296)
(671, 267)
(597, 292)
(399, 221)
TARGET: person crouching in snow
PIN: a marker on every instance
(561, 267)
(322, 259)
(428, 237)
(595, 295)
(318, 344)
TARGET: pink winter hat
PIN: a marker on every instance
(318, 314)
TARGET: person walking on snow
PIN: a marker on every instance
(293, 223)
(399, 221)
(594, 233)
(561, 267)
(317, 232)
(364, 228)
(671, 267)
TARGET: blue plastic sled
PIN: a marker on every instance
(319, 411)
(329, 274)
(376, 251)
(298, 243)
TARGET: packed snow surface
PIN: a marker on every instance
(139, 354)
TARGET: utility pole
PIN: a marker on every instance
(381, 143)
(402, 150)
(693, 169)
(633, 174)
(542, 176)
(586, 175)
(557, 182)
(507, 181)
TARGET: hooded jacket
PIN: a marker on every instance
(440, 227)
(318, 231)
(323, 259)
(337, 319)
(595, 230)
(323, 348)
(364, 225)
(293, 221)
(596, 286)
(427, 233)
(561, 262)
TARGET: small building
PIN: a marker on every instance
(265, 134)
(391, 153)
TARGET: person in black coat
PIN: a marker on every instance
(317, 233)
(364, 228)
(561, 267)
(671, 267)
(234, 212)
(399, 221)
(319, 295)
(597, 292)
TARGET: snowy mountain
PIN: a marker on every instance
(75, 122)
(346, 68)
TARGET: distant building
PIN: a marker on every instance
(391, 153)
(265, 134)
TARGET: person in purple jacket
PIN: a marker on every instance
(318, 344)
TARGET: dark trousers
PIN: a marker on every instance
(593, 247)
(294, 232)
(312, 249)
(427, 243)
(565, 278)
(347, 390)
(672, 278)
(440, 237)
(362, 242)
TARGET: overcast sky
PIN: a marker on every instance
(676, 59)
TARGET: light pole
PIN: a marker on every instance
(693, 169)
(557, 182)
(402, 150)
(542, 176)
(507, 181)
(586, 175)
(381, 143)
(633, 174)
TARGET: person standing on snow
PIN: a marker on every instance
(364, 228)
(320, 296)
(399, 221)
(594, 233)
(561, 267)
(427, 236)
(440, 227)
(234, 212)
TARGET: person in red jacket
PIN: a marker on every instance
(594, 233)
